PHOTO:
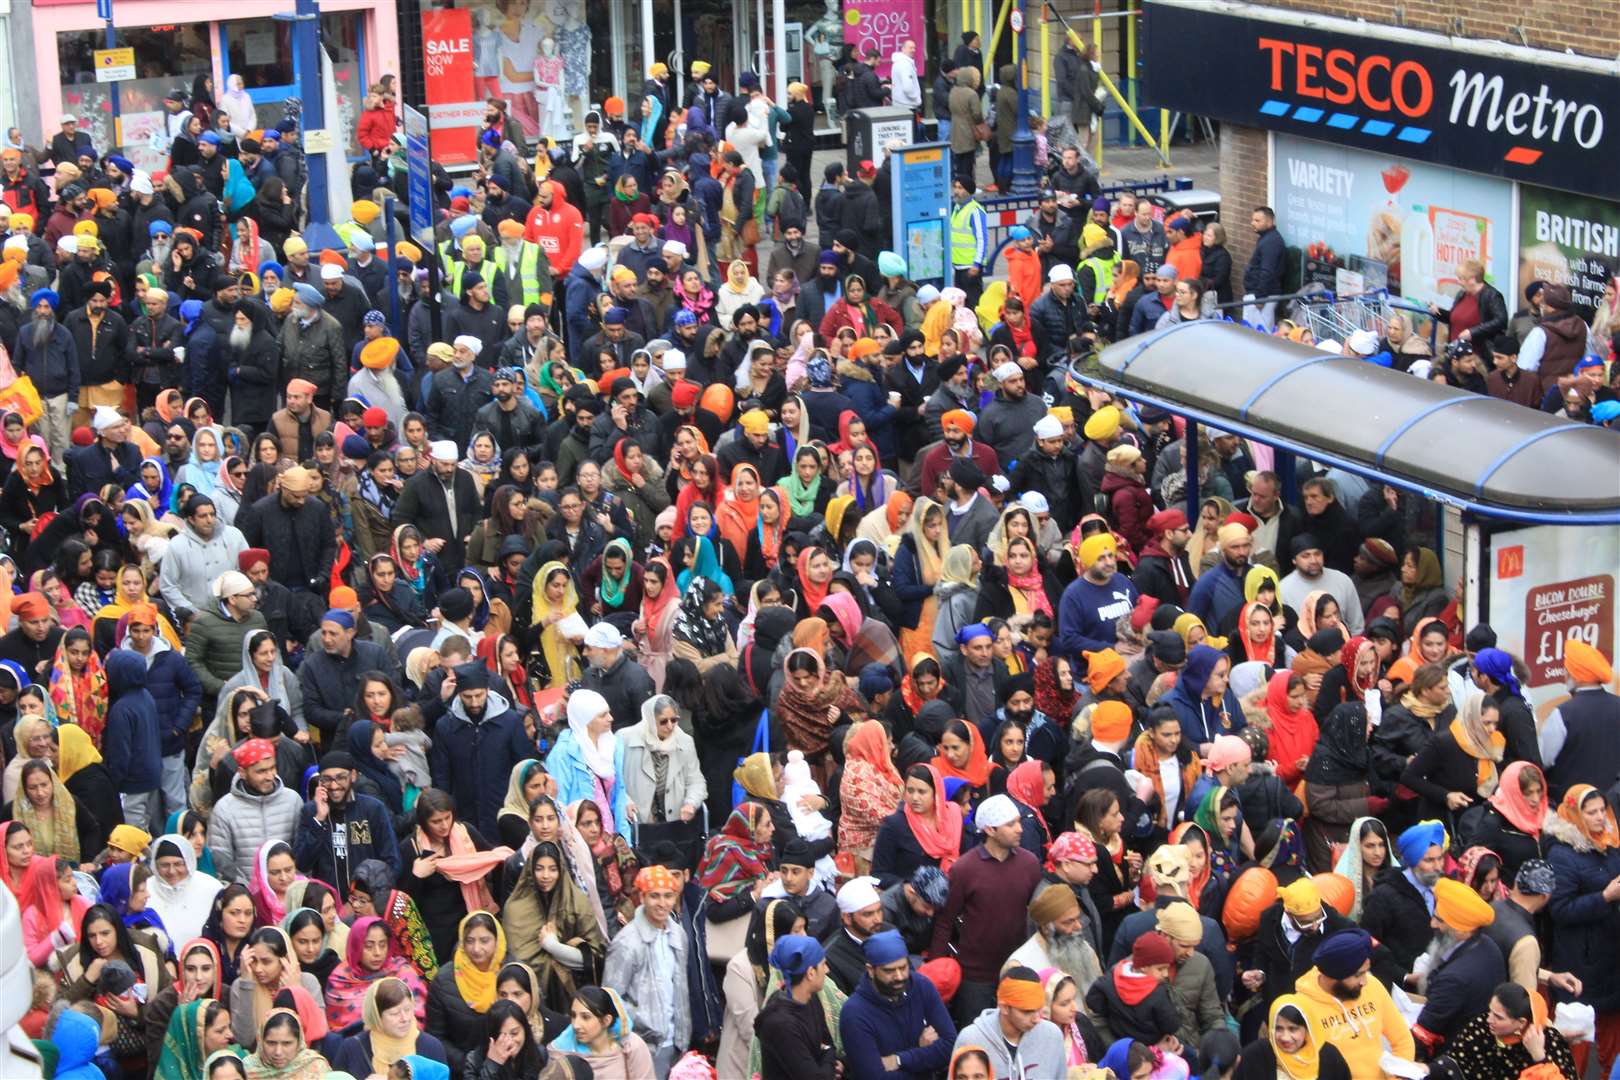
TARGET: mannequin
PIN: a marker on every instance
(826, 38)
(548, 90)
(574, 43)
(519, 40)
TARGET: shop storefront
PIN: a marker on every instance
(360, 35)
(1393, 155)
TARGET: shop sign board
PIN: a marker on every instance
(1569, 240)
(447, 67)
(1540, 122)
(1395, 223)
(1549, 584)
(920, 191)
(885, 25)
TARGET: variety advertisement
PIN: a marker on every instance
(1413, 223)
(1547, 585)
(885, 25)
(447, 66)
(1568, 240)
(1533, 116)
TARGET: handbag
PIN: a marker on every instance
(982, 132)
(762, 744)
(749, 232)
(724, 940)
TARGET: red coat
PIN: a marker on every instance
(376, 129)
(842, 314)
(560, 231)
(1024, 275)
(1130, 504)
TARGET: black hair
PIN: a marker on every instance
(530, 1058)
(480, 919)
(104, 913)
(520, 974)
(1515, 1000)
(432, 801)
(286, 1020)
(305, 917)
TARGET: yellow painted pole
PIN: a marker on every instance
(1164, 134)
(1097, 43)
(1129, 74)
(1113, 91)
(1046, 69)
(995, 39)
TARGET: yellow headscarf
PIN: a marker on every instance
(557, 649)
(385, 1048)
(756, 776)
(477, 985)
(75, 751)
(930, 555)
(1255, 578)
(837, 507)
(1304, 1063)
(935, 322)
(957, 567)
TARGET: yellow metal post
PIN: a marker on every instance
(995, 39)
(1046, 69)
(1097, 43)
(1164, 134)
(1129, 74)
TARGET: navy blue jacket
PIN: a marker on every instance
(874, 1027)
(90, 469)
(473, 762)
(368, 833)
(176, 691)
(1216, 596)
(1264, 274)
(580, 290)
(132, 741)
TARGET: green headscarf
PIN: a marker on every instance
(612, 589)
(182, 1057)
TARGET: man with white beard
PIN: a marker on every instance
(375, 383)
(1461, 967)
(251, 364)
(47, 355)
(1059, 940)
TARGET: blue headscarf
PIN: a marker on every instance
(1499, 666)
(649, 124)
(1117, 1056)
(706, 565)
(115, 893)
(480, 617)
(165, 492)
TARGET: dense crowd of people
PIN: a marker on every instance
(611, 665)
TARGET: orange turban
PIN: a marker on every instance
(31, 605)
(1102, 668)
(863, 348)
(1110, 721)
(145, 614)
(1023, 994)
(1582, 662)
(960, 419)
(343, 598)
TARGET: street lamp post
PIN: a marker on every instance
(1024, 178)
(306, 36)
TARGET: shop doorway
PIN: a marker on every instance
(261, 51)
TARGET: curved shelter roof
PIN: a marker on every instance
(1474, 451)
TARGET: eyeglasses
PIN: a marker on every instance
(331, 781)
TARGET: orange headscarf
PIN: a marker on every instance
(735, 516)
(939, 837)
(977, 770)
(1402, 670)
(869, 742)
(1569, 808)
(1264, 650)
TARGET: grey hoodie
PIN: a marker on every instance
(1038, 1054)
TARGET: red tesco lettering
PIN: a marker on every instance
(1340, 77)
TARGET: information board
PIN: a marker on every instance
(419, 175)
(921, 192)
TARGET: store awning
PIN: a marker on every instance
(1473, 451)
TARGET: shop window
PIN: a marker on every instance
(261, 51)
(166, 58)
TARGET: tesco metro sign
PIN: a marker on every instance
(1471, 109)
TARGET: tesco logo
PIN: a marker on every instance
(1339, 76)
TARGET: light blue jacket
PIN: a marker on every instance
(575, 781)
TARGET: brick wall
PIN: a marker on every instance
(1584, 27)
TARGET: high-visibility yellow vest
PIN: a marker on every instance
(964, 248)
(1102, 272)
(529, 259)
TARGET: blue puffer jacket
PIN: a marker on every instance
(575, 780)
(132, 743)
(75, 1038)
(175, 690)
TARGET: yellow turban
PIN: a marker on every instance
(294, 245)
(1180, 923)
(1460, 907)
(22, 223)
(1302, 900)
(408, 251)
(378, 354)
(1582, 662)
(754, 422)
(1231, 533)
(364, 211)
(87, 228)
(280, 300)
(1093, 547)
(1063, 414)
(129, 839)
(471, 242)
(700, 68)
(1103, 424)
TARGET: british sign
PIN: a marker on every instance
(1513, 118)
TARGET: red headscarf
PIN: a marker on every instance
(940, 836)
(814, 595)
(489, 651)
(870, 743)
(1027, 784)
(691, 493)
(653, 606)
(1054, 702)
(1347, 657)
(1293, 734)
(1510, 801)
(1265, 649)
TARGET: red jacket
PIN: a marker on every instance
(560, 231)
(841, 314)
(1023, 274)
(376, 129)
(1130, 505)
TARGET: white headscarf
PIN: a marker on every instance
(583, 707)
(184, 907)
(239, 107)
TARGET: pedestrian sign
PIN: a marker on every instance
(419, 175)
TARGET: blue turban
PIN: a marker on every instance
(124, 164)
(1499, 666)
(463, 225)
(50, 296)
(461, 191)
(684, 317)
(17, 673)
(272, 267)
(191, 311)
(159, 228)
(1415, 842)
(374, 318)
(339, 616)
(971, 631)
(1604, 411)
(362, 242)
(795, 954)
(884, 947)
(1341, 953)
(209, 137)
(309, 294)
(828, 257)
(875, 679)
(615, 316)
